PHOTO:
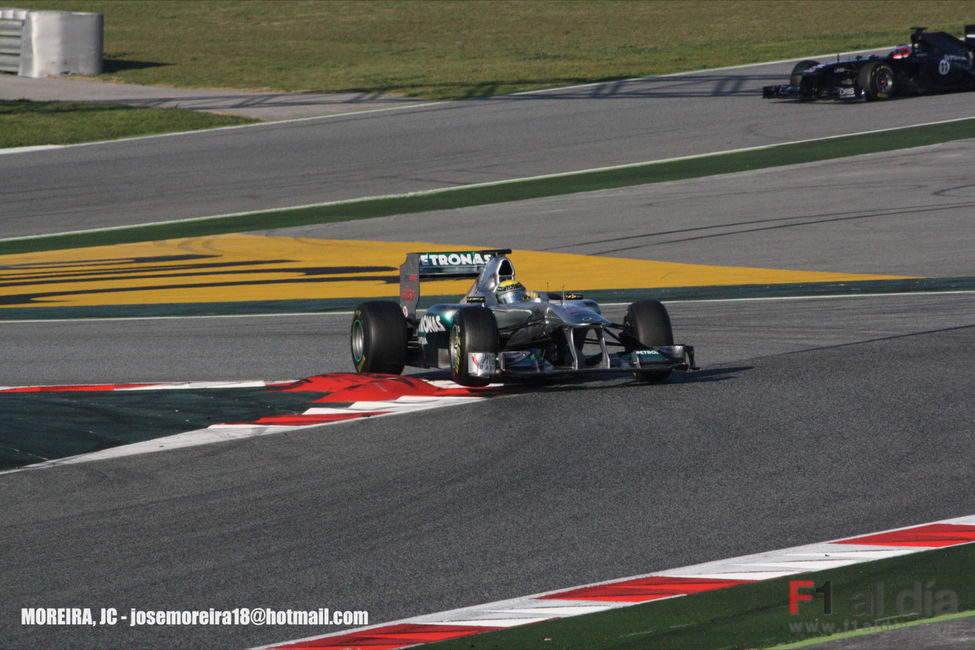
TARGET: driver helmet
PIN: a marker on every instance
(511, 291)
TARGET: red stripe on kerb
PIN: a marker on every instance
(932, 535)
(301, 420)
(390, 637)
(641, 590)
(371, 387)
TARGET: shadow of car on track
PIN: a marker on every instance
(578, 382)
(674, 86)
(691, 84)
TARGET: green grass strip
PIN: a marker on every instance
(864, 632)
(871, 596)
(25, 123)
(516, 190)
(451, 49)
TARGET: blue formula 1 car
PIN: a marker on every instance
(934, 62)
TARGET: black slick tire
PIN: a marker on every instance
(796, 78)
(648, 325)
(876, 80)
(474, 329)
(379, 337)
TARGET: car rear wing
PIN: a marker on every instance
(439, 265)
(970, 36)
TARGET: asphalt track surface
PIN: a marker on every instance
(811, 419)
(435, 146)
(897, 213)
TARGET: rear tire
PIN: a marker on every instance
(876, 80)
(648, 323)
(379, 337)
(474, 330)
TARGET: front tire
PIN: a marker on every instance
(796, 78)
(379, 337)
(648, 325)
(876, 80)
(474, 329)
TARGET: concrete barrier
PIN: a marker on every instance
(51, 43)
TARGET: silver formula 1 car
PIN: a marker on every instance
(500, 330)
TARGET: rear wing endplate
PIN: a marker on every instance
(439, 265)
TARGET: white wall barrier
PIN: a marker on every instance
(50, 43)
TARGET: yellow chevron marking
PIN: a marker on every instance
(239, 267)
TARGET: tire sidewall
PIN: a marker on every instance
(474, 329)
(358, 343)
(795, 78)
(379, 337)
(870, 79)
(648, 323)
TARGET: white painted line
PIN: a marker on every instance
(39, 147)
(176, 317)
(208, 436)
(264, 123)
(137, 386)
(820, 297)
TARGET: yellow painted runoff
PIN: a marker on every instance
(239, 267)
